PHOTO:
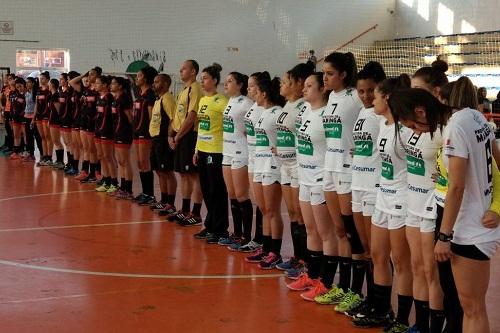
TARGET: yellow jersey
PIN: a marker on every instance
(187, 100)
(159, 123)
(210, 123)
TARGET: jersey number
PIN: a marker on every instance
(305, 125)
(282, 117)
(228, 109)
(359, 125)
(489, 161)
(414, 139)
(381, 145)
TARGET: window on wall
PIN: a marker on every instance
(31, 62)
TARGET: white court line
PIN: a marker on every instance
(81, 226)
(134, 275)
(43, 195)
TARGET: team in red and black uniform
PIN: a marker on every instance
(104, 135)
(6, 91)
(143, 107)
(65, 93)
(17, 104)
(123, 134)
(76, 143)
(55, 111)
(42, 119)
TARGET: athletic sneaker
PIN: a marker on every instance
(212, 238)
(139, 197)
(192, 220)
(318, 289)
(58, 165)
(157, 206)
(67, 166)
(168, 210)
(227, 241)
(43, 163)
(350, 301)
(178, 216)
(370, 318)
(250, 247)
(270, 261)
(147, 201)
(88, 179)
(123, 195)
(294, 273)
(70, 172)
(202, 234)
(362, 307)
(286, 265)
(302, 283)
(98, 175)
(111, 189)
(395, 327)
(29, 158)
(236, 247)
(15, 156)
(102, 188)
(83, 174)
(333, 296)
(413, 329)
(98, 181)
(257, 257)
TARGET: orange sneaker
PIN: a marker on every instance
(83, 174)
(302, 283)
(317, 290)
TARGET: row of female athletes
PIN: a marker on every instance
(364, 164)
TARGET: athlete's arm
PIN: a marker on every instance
(457, 167)
(74, 82)
(187, 125)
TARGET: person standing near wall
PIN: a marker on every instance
(182, 139)
(9, 88)
(29, 124)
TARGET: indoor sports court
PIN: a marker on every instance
(250, 166)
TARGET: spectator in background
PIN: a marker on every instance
(495, 106)
(484, 103)
(312, 60)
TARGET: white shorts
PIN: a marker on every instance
(266, 178)
(363, 202)
(387, 221)
(290, 175)
(488, 248)
(251, 159)
(425, 225)
(312, 194)
(337, 182)
(234, 162)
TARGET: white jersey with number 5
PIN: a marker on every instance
(339, 117)
(366, 160)
(265, 134)
(392, 193)
(470, 137)
(421, 152)
(235, 143)
(311, 147)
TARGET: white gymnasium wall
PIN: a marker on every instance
(437, 17)
(244, 35)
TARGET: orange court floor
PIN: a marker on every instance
(73, 260)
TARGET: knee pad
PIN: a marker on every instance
(352, 235)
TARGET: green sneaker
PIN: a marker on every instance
(333, 296)
(112, 189)
(102, 188)
(395, 327)
(350, 301)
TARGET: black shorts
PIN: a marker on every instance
(469, 251)
(162, 156)
(67, 122)
(17, 119)
(142, 135)
(183, 155)
(124, 137)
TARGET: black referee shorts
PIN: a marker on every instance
(183, 154)
(162, 156)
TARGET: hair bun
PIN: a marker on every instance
(217, 67)
(440, 65)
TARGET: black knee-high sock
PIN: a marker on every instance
(114, 182)
(128, 186)
(303, 241)
(92, 170)
(196, 209)
(437, 320)
(422, 315)
(358, 275)
(276, 245)
(369, 280)
(60, 155)
(171, 199)
(186, 205)
(267, 241)
(294, 231)
(258, 238)
(247, 218)
(75, 164)
(122, 184)
(163, 197)
(69, 156)
(149, 179)
(345, 273)
(237, 218)
(404, 308)
(329, 269)
(85, 166)
(141, 176)
(381, 299)
(315, 259)
(98, 166)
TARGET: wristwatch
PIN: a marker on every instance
(444, 237)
